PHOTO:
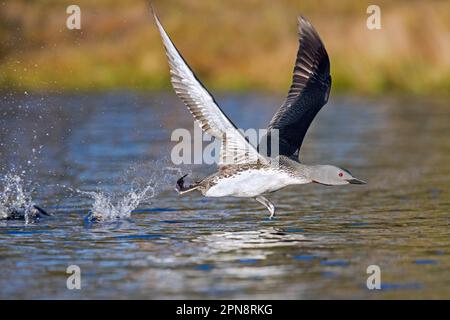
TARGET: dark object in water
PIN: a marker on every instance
(19, 213)
(181, 188)
(91, 217)
(42, 211)
(180, 184)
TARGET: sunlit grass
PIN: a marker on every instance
(231, 45)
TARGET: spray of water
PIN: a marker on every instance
(147, 181)
(107, 207)
(15, 201)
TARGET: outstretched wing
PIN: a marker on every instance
(235, 148)
(309, 91)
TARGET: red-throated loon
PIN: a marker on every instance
(243, 171)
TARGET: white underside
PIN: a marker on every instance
(252, 183)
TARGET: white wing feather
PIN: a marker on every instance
(235, 148)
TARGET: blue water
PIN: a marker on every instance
(318, 246)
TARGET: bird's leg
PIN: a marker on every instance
(269, 205)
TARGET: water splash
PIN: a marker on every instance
(147, 181)
(15, 200)
(107, 207)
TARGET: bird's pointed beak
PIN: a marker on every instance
(356, 181)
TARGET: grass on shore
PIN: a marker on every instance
(231, 45)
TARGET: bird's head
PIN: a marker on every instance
(333, 176)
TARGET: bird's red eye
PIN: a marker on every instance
(340, 174)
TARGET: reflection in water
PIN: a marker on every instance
(262, 238)
(319, 245)
(235, 245)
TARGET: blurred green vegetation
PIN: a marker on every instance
(231, 45)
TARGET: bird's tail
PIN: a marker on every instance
(181, 188)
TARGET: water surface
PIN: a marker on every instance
(318, 246)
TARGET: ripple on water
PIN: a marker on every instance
(335, 263)
(425, 261)
(248, 261)
(401, 286)
(142, 236)
(262, 238)
(305, 257)
(197, 247)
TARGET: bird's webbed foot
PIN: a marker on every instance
(269, 205)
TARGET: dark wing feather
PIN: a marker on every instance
(309, 91)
